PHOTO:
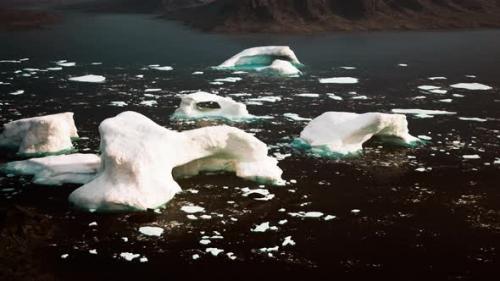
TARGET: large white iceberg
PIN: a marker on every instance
(57, 170)
(44, 134)
(139, 156)
(279, 60)
(206, 105)
(342, 133)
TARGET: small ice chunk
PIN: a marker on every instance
(151, 231)
(306, 214)
(422, 112)
(118, 103)
(403, 65)
(475, 119)
(129, 256)
(64, 256)
(470, 157)
(195, 256)
(214, 251)
(295, 117)
(446, 100)
(192, 209)
(424, 137)
(229, 79)
(437, 78)
(152, 90)
(472, 86)
(198, 73)
(339, 80)
(355, 211)
(93, 252)
(329, 217)
(270, 249)
(148, 102)
(205, 241)
(439, 91)
(91, 78)
(16, 93)
(266, 99)
(161, 68)
(65, 63)
(334, 97)
(288, 241)
(308, 95)
(428, 87)
(263, 227)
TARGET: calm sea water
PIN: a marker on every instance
(400, 214)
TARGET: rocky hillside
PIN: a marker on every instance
(323, 15)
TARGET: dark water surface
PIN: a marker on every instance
(422, 213)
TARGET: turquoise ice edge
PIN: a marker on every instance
(324, 152)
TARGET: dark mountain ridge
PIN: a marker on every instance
(323, 15)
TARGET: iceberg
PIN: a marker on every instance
(38, 135)
(57, 170)
(88, 78)
(140, 160)
(206, 105)
(343, 133)
(276, 60)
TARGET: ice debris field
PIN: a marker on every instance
(260, 149)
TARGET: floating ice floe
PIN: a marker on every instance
(475, 119)
(151, 231)
(229, 79)
(438, 91)
(403, 65)
(263, 227)
(265, 99)
(308, 95)
(191, 209)
(88, 78)
(437, 78)
(148, 102)
(276, 60)
(118, 103)
(471, 157)
(339, 80)
(472, 86)
(264, 193)
(342, 133)
(129, 256)
(288, 241)
(44, 134)
(422, 113)
(334, 96)
(295, 117)
(428, 87)
(65, 63)
(161, 68)
(214, 251)
(16, 93)
(206, 105)
(152, 90)
(314, 214)
(57, 170)
(140, 160)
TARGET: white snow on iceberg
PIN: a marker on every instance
(44, 134)
(57, 170)
(339, 80)
(139, 157)
(472, 86)
(342, 133)
(206, 105)
(88, 78)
